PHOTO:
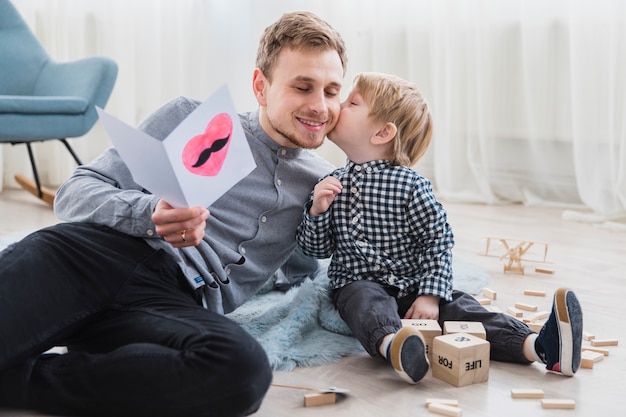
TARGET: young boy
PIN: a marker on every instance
(391, 245)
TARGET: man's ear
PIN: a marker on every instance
(385, 134)
(259, 83)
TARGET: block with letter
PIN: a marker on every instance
(429, 329)
(475, 328)
(460, 359)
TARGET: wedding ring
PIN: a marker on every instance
(182, 235)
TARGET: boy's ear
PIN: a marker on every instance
(385, 134)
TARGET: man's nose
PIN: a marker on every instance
(318, 103)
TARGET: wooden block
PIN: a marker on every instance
(603, 351)
(535, 326)
(514, 311)
(460, 359)
(557, 403)
(526, 307)
(526, 393)
(475, 328)
(446, 401)
(483, 301)
(588, 336)
(319, 398)
(594, 356)
(535, 293)
(445, 410)
(541, 315)
(604, 342)
(588, 358)
(544, 270)
(516, 269)
(429, 329)
(489, 293)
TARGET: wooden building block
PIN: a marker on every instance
(429, 329)
(557, 403)
(604, 342)
(489, 293)
(526, 307)
(544, 270)
(475, 328)
(540, 315)
(445, 410)
(535, 293)
(319, 398)
(446, 401)
(526, 393)
(535, 326)
(460, 359)
(514, 311)
(588, 358)
(483, 300)
(603, 351)
(588, 336)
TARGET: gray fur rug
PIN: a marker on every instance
(301, 327)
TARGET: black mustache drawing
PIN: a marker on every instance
(206, 154)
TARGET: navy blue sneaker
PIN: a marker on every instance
(559, 342)
(407, 354)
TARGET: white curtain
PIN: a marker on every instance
(529, 96)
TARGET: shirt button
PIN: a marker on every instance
(353, 190)
(150, 232)
(369, 169)
(227, 271)
(279, 182)
(263, 219)
(357, 168)
(243, 251)
(283, 152)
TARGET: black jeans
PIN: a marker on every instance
(372, 312)
(139, 342)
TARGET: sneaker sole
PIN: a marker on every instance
(570, 332)
(397, 353)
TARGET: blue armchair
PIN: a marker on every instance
(41, 99)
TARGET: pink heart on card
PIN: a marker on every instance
(205, 154)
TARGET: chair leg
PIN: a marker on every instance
(34, 167)
(71, 151)
(38, 190)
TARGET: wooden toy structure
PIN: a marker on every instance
(513, 251)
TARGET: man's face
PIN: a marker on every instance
(301, 104)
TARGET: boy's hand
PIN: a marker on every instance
(180, 227)
(424, 307)
(323, 195)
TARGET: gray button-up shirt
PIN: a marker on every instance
(251, 230)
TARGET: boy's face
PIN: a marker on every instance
(355, 128)
(301, 103)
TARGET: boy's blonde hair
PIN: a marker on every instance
(392, 99)
(300, 31)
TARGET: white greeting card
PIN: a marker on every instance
(204, 157)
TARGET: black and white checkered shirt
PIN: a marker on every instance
(384, 226)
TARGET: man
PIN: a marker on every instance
(137, 289)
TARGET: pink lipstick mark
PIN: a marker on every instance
(205, 154)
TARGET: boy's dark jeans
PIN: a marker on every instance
(140, 345)
(372, 312)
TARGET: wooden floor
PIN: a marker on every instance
(588, 259)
